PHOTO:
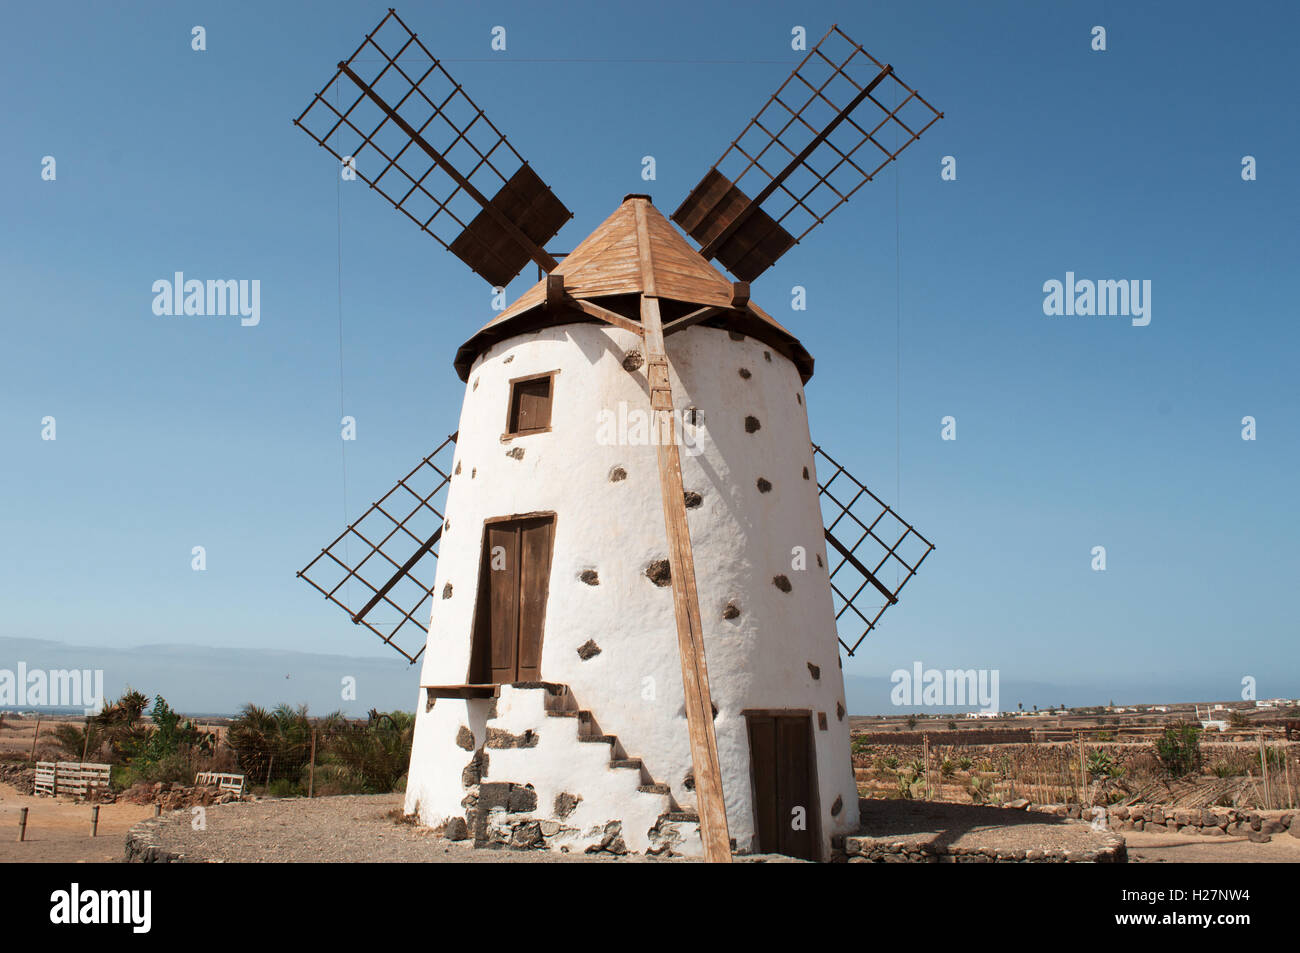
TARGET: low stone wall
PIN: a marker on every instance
(140, 846)
(863, 850)
(1257, 826)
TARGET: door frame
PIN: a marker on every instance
(478, 585)
(814, 789)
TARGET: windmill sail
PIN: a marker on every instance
(369, 570)
(803, 156)
(394, 115)
(873, 546)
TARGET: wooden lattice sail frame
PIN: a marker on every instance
(392, 538)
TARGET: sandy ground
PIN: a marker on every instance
(972, 827)
(1144, 848)
(59, 829)
(348, 829)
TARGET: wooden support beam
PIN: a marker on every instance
(739, 302)
(554, 292)
(606, 315)
(692, 319)
(686, 600)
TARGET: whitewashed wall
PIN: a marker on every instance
(742, 539)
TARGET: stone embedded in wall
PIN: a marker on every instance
(475, 770)
(752, 425)
(814, 670)
(611, 841)
(446, 527)
(799, 398)
(735, 335)
(745, 373)
(693, 499)
(465, 738)
(500, 738)
(821, 721)
(659, 573)
(764, 486)
(473, 473)
(475, 387)
(508, 359)
(767, 356)
(837, 806)
(590, 577)
(782, 583)
(515, 453)
(820, 564)
(565, 803)
(731, 611)
(805, 473)
(617, 474)
(588, 650)
(633, 360)
(527, 836)
(688, 781)
(457, 468)
(839, 711)
(446, 591)
(455, 829)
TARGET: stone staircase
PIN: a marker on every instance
(549, 777)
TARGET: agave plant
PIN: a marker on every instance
(980, 789)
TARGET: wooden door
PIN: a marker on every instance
(783, 769)
(514, 574)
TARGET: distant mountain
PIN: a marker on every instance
(870, 695)
(200, 680)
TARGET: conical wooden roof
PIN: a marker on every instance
(606, 264)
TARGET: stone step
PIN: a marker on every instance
(598, 739)
(627, 763)
(654, 789)
(682, 816)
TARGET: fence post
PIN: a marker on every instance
(94, 821)
(1083, 774)
(85, 745)
(1263, 770)
(36, 735)
(925, 754)
(269, 765)
(22, 825)
(311, 772)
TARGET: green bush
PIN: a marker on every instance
(1179, 750)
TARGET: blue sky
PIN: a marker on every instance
(1072, 432)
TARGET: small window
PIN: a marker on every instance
(530, 405)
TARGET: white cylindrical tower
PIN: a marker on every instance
(551, 710)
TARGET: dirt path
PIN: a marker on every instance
(58, 830)
(346, 829)
(1146, 848)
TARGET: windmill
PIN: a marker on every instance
(546, 618)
